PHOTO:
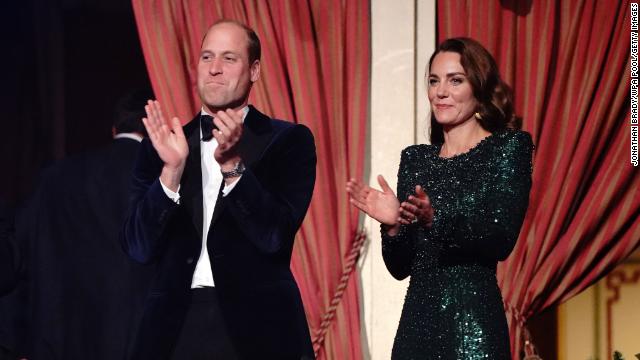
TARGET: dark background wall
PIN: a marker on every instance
(67, 63)
(64, 65)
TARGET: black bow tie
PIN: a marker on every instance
(207, 126)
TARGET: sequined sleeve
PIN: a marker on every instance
(493, 232)
(398, 251)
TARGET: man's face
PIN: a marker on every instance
(224, 73)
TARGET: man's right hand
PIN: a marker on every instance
(170, 143)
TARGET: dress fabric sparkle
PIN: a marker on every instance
(453, 307)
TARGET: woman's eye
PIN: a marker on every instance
(456, 81)
(433, 82)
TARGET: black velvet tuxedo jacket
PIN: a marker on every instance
(249, 242)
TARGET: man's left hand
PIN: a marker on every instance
(229, 123)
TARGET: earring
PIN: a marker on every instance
(478, 116)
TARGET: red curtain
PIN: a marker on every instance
(315, 71)
(568, 62)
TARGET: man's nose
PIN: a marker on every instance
(215, 67)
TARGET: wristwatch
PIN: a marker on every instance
(237, 171)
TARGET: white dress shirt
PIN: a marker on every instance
(211, 181)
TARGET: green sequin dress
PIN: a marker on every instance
(453, 308)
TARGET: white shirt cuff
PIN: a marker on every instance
(172, 195)
(227, 188)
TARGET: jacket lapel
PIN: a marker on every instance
(191, 183)
(257, 133)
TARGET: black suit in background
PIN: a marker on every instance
(9, 253)
(85, 293)
(11, 322)
(250, 241)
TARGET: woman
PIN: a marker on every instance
(463, 202)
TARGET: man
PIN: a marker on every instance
(217, 208)
(84, 292)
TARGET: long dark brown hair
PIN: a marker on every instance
(494, 96)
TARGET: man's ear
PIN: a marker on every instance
(255, 71)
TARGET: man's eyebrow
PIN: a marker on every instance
(225, 52)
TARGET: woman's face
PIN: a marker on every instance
(449, 90)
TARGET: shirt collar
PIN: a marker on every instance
(245, 111)
(132, 136)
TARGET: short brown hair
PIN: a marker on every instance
(494, 96)
(254, 48)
